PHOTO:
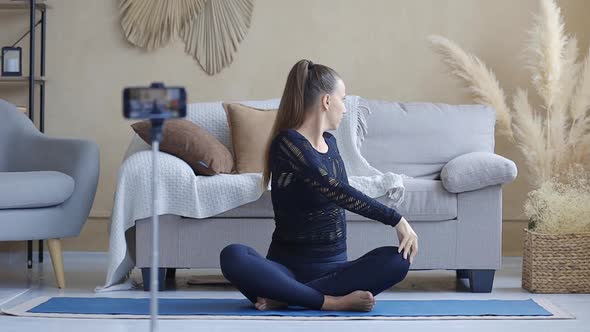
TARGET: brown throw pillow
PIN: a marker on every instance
(250, 129)
(191, 143)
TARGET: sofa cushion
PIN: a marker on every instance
(213, 117)
(191, 143)
(21, 190)
(425, 200)
(250, 130)
(477, 170)
(418, 139)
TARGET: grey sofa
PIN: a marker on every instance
(47, 185)
(459, 230)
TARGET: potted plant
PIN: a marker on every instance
(554, 138)
(556, 256)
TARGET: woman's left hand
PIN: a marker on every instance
(407, 238)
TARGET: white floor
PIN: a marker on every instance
(84, 271)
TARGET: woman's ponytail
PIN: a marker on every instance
(305, 82)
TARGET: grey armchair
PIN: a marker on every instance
(47, 185)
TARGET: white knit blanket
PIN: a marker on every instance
(183, 193)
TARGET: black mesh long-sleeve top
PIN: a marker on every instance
(310, 192)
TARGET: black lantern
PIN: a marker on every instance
(12, 61)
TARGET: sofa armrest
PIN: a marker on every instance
(479, 229)
(476, 170)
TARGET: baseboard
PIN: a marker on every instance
(4, 255)
(12, 251)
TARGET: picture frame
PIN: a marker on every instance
(12, 60)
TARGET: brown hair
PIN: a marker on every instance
(305, 83)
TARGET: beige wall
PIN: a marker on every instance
(379, 47)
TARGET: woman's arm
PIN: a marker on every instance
(309, 168)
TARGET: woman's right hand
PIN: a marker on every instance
(407, 238)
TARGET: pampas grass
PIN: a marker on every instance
(545, 49)
(579, 133)
(529, 137)
(552, 136)
(480, 80)
(555, 134)
(561, 207)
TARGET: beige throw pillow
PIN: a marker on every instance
(250, 129)
(191, 143)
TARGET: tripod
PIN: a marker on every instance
(156, 103)
(156, 137)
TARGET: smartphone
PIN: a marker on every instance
(154, 102)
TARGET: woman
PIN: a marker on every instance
(306, 264)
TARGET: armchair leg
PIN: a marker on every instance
(56, 259)
(40, 251)
(29, 254)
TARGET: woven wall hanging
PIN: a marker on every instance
(211, 29)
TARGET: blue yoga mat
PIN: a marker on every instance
(233, 307)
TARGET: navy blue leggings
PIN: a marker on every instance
(305, 283)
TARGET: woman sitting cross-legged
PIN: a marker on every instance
(306, 264)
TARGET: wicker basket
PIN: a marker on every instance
(556, 263)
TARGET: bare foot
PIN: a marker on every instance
(355, 301)
(268, 304)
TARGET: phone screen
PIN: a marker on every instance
(154, 103)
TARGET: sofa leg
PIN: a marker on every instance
(170, 278)
(481, 281)
(40, 251)
(146, 276)
(462, 274)
(57, 261)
